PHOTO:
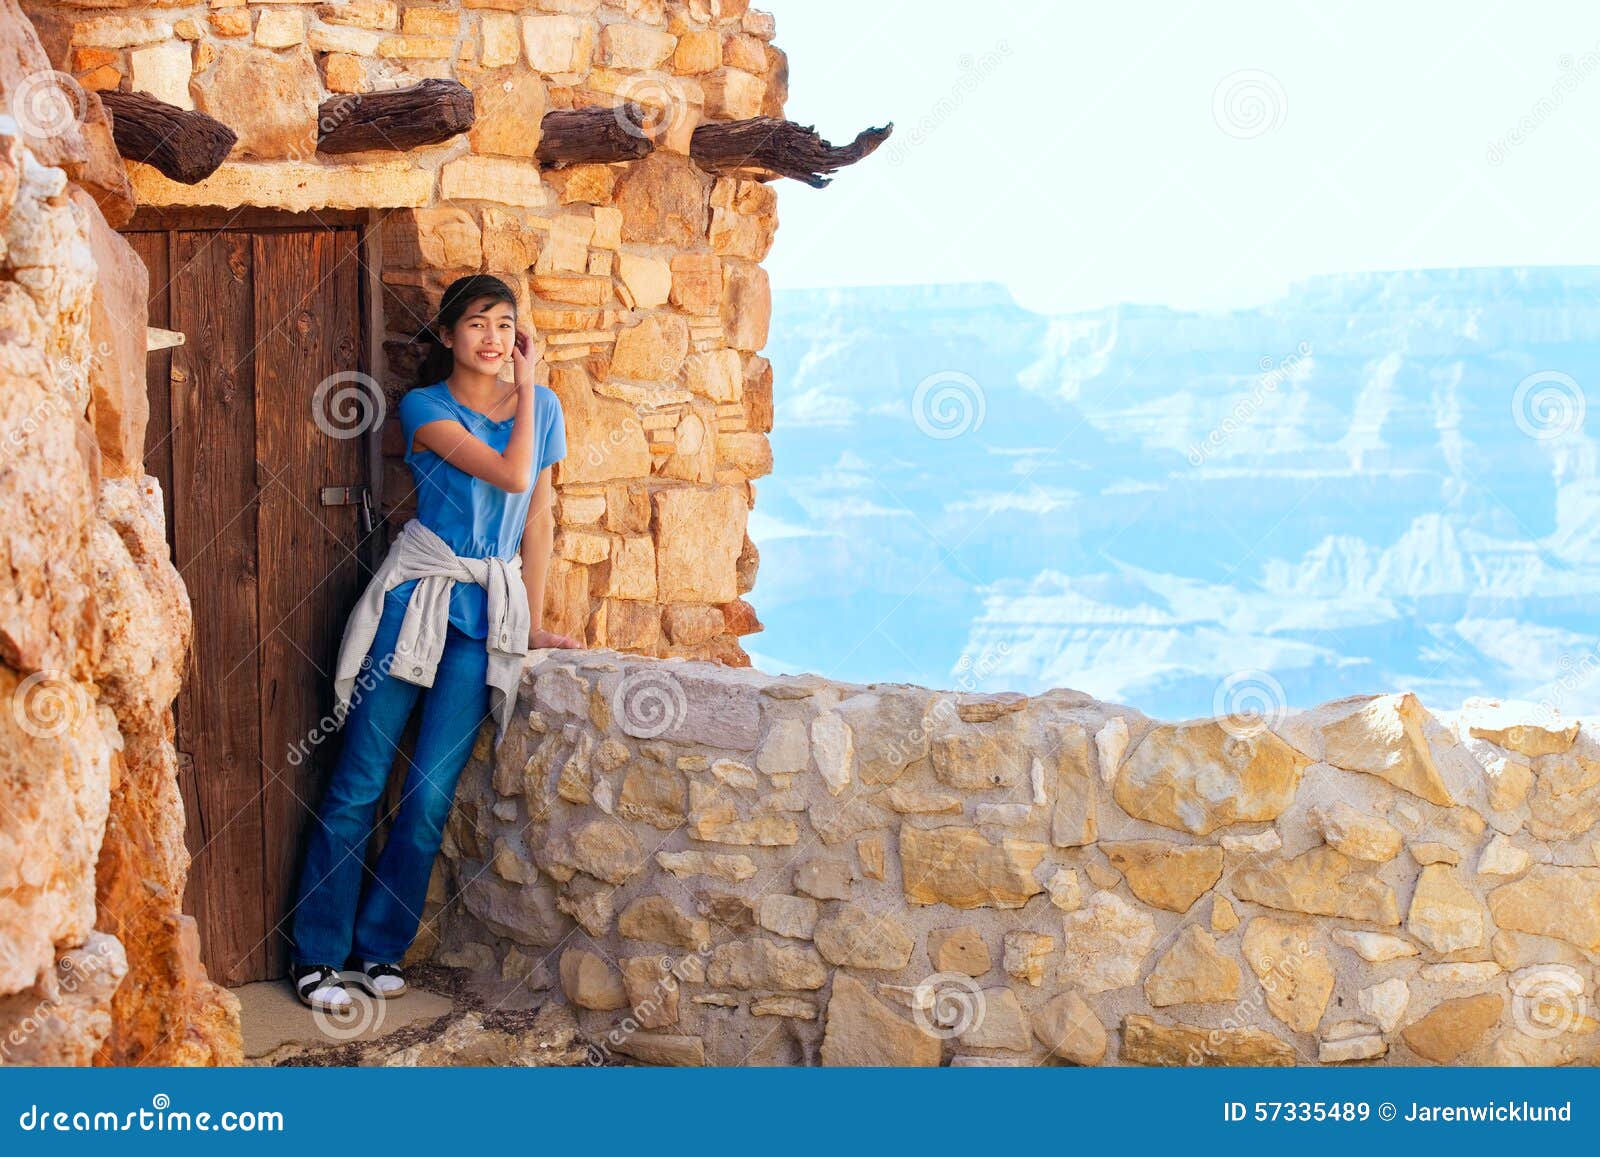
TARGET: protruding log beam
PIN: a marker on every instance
(581, 136)
(184, 144)
(395, 118)
(766, 147)
(161, 339)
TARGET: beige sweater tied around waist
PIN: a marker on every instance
(418, 553)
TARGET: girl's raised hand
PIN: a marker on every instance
(527, 359)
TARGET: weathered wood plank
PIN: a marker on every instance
(309, 303)
(214, 528)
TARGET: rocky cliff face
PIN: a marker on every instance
(97, 961)
(718, 866)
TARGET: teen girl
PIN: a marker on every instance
(448, 618)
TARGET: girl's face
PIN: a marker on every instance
(484, 337)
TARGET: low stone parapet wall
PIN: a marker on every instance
(714, 865)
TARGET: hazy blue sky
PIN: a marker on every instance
(1193, 154)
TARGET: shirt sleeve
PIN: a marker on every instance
(417, 408)
(553, 445)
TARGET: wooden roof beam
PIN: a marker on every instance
(583, 136)
(184, 144)
(396, 118)
(766, 147)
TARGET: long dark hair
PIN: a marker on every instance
(438, 360)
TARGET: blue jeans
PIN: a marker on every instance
(333, 917)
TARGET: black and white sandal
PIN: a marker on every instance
(316, 986)
(382, 980)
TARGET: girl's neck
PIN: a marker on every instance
(482, 392)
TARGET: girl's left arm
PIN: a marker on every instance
(538, 540)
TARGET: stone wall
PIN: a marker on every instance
(644, 277)
(97, 961)
(720, 866)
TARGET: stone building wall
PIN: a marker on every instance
(97, 961)
(720, 866)
(644, 277)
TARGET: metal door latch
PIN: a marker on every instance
(351, 496)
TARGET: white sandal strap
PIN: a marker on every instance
(319, 977)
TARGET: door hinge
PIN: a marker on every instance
(351, 496)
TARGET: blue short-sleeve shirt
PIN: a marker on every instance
(477, 518)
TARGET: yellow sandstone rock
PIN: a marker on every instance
(1296, 978)
(1170, 876)
(1197, 777)
(1384, 738)
(1192, 971)
(960, 867)
(1321, 882)
(1144, 1042)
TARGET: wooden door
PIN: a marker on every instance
(246, 429)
